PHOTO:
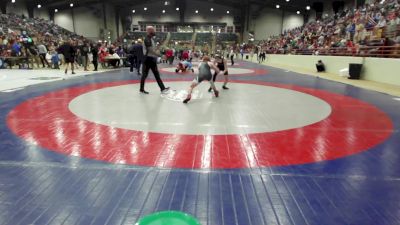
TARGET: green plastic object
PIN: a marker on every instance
(168, 218)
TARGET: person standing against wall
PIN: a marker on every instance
(84, 50)
(94, 49)
(232, 55)
(68, 52)
(170, 56)
(150, 60)
(260, 55)
(132, 57)
(251, 54)
(42, 54)
(256, 51)
(138, 54)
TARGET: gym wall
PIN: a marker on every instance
(19, 8)
(384, 70)
(86, 20)
(272, 22)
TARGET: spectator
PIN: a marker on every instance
(55, 60)
(15, 49)
(94, 49)
(42, 54)
(68, 52)
(84, 54)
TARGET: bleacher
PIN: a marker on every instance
(226, 37)
(160, 36)
(135, 35)
(203, 38)
(11, 24)
(181, 37)
(364, 31)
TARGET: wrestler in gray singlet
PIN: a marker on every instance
(204, 72)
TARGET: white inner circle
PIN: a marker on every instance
(230, 70)
(245, 108)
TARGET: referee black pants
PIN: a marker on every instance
(150, 63)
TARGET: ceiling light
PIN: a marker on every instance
(163, 11)
(287, 0)
(212, 9)
(56, 10)
(308, 7)
(166, 3)
(12, 1)
(145, 8)
(278, 6)
(177, 8)
(71, 5)
(133, 11)
(197, 11)
(39, 6)
(227, 12)
(298, 12)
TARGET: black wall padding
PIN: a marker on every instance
(360, 2)
(318, 6)
(337, 6)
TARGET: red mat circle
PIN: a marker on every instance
(354, 126)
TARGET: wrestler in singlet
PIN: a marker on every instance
(220, 63)
(204, 74)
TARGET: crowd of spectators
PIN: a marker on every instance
(367, 30)
(35, 42)
(33, 39)
(11, 23)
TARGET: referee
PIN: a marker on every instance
(150, 61)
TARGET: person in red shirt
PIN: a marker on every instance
(349, 44)
(102, 55)
(170, 56)
(351, 48)
(185, 55)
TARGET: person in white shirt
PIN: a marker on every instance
(42, 54)
(232, 54)
(381, 23)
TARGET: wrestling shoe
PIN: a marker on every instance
(187, 99)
